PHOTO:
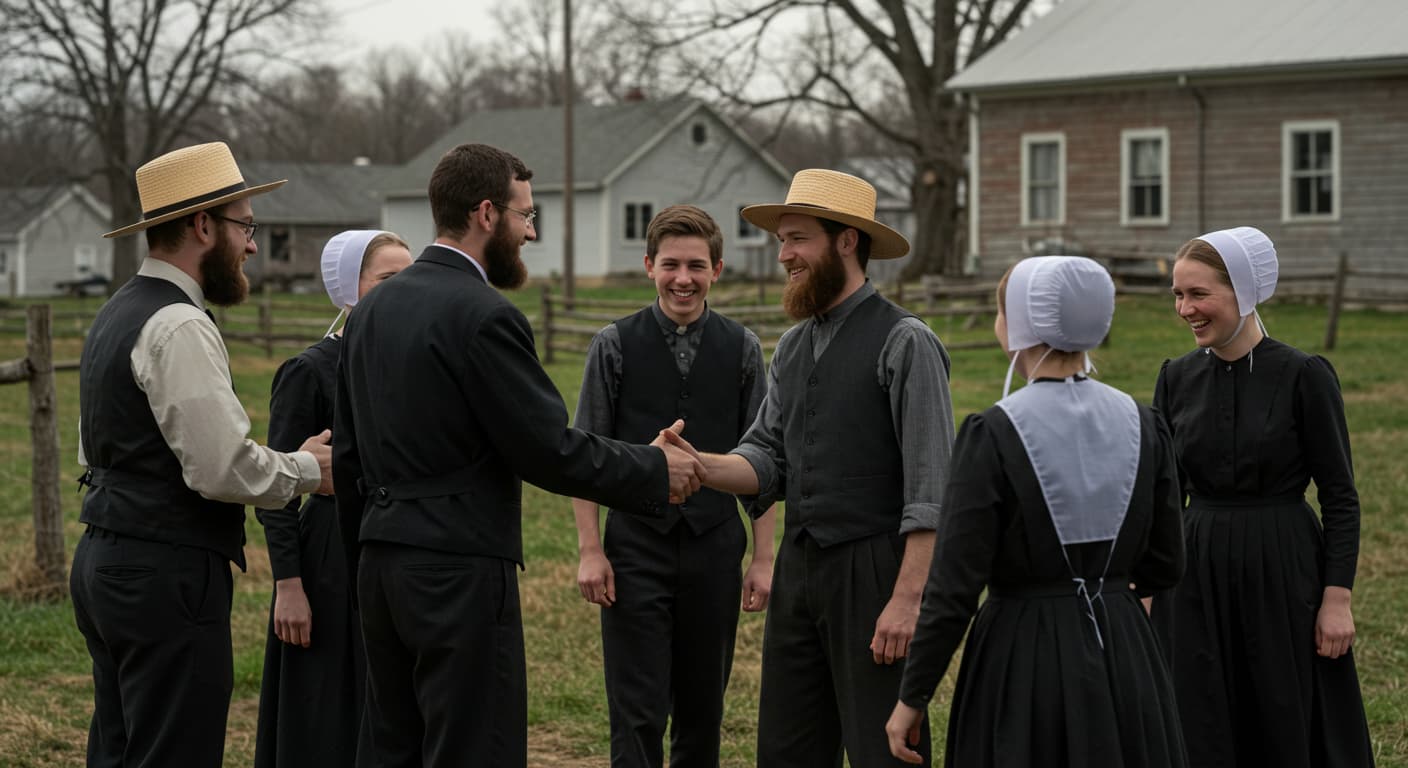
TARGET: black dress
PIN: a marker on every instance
(1035, 688)
(310, 700)
(1240, 628)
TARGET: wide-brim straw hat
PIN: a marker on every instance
(837, 197)
(187, 180)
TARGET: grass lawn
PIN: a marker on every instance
(46, 695)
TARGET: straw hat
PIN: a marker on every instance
(834, 196)
(188, 180)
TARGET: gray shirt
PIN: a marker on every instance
(912, 369)
(601, 381)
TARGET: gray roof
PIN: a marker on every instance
(1114, 40)
(319, 193)
(605, 138)
(19, 205)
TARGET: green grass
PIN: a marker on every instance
(45, 691)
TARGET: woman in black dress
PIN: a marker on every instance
(1063, 498)
(1259, 631)
(310, 700)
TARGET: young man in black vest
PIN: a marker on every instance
(855, 433)
(169, 470)
(442, 411)
(670, 587)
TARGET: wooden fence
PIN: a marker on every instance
(47, 579)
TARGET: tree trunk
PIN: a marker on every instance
(126, 255)
(934, 197)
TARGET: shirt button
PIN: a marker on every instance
(811, 382)
(811, 411)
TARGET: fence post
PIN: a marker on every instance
(44, 440)
(1332, 323)
(547, 323)
(266, 319)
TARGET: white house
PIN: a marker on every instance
(631, 161)
(51, 236)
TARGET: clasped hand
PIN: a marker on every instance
(685, 465)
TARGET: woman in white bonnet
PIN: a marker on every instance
(310, 700)
(1063, 498)
(1259, 632)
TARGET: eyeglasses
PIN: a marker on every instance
(528, 216)
(249, 227)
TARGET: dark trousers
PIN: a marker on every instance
(668, 638)
(822, 690)
(156, 618)
(446, 680)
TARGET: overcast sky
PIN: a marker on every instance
(412, 23)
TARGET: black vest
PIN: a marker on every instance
(653, 394)
(136, 483)
(845, 476)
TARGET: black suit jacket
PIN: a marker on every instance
(443, 409)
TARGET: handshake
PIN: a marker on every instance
(686, 466)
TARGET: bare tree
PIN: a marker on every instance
(140, 73)
(883, 62)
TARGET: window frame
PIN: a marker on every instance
(1289, 130)
(1127, 139)
(1028, 140)
(644, 224)
(758, 235)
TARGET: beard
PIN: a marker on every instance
(818, 288)
(502, 263)
(222, 277)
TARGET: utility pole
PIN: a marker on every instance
(569, 279)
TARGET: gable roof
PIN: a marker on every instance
(1101, 41)
(22, 206)
(607, 139)
(320, 193)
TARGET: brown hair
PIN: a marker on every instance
(380, 241)
(684, 221)
(467, 176)
(1202, 252)
(169, 235)
(834, 230)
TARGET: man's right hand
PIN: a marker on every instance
(320, 445)
(293, 617)
(685, 465)
(595, 578)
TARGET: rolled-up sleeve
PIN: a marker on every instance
(914, 369)
(180, 362)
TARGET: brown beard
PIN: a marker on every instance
(818, 289)
(503, 264)
(222, 277)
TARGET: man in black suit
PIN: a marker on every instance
(442, 411)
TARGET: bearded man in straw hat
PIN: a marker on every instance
(855, 434)
(169, 470)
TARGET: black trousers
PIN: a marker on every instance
(156, 618)
(822, 690)
(446, 678)
(668, 639)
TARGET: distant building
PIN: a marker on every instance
(1133, 125)
(51, 241)
(631, 161)
(297, 219)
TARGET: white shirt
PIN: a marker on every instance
(476, 264)
(179, 360)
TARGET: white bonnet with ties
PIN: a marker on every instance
(1250, 259)
(1065, 302)
(342, 264)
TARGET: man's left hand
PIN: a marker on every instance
(894, 629)
(757, 586)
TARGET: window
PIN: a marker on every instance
(1310, 170)
(4, 261)
(85, 259)
(1043, 178)
(747, 232)
(638, 217)
(699, 134)
(279, 245)
(1144, 176)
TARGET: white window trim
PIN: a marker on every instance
(1126, 169)
(1288, 131)
(760, 239)
(645, 225)
(1028, 139)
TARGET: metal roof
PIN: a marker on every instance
(1113, 40)
(319, 193)
(20, 205)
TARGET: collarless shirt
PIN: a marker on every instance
(912, 368)
(601, 379)
(179, 360)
